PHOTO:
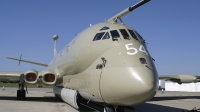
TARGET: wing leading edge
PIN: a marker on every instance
(15, 75)
(10, 76)
(181, 78)
(27, 61)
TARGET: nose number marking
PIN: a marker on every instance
(141, 49)
(131, 48)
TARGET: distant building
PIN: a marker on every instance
(172, 86)
(161, 84)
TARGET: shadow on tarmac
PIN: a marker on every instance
(43, 99)
(165, 98)
(34, 99)
(145, 107)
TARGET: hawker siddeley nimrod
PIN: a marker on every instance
(106, 65)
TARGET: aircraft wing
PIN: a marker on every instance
(10, 76)
(181, 78)
(27, 61)
(32, 76)
(15, 76)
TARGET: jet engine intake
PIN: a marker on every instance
(67, 95)
(48, 77)
(30, 76)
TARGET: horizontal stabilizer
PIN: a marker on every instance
(36, 63)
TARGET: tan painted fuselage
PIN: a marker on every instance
(124, 80)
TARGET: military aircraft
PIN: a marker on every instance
(107, 65)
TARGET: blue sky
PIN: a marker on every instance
(171, 29)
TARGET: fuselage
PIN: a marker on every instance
(107, 63)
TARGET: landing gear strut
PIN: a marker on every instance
(21, 93)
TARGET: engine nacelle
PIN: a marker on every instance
(48, 77)
(67, 95)
(30, 76)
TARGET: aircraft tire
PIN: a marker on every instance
(18, 94)
(23, 94)
(120, 109)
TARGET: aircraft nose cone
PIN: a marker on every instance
(147, 83)
(129, 86)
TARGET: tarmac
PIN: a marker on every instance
(43, 100)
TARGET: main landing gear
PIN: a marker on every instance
(21, 93)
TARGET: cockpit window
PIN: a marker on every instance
(106, 36)
(124, 33)
(143, 61)
(114, 34)
(133, 34)
(98, 36)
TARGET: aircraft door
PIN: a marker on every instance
(95, 76)
(101, 42)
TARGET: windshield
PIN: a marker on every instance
(124, 33)
(140, 37)
(114, 34)
(133, 34)
(98, 36)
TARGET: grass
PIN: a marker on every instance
(15, 85)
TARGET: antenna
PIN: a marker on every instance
(55, 38)
(20, 59)
(126, 11)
